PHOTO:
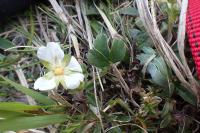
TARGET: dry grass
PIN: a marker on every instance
(118, 98)
(181, 69)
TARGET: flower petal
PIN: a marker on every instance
(45, 84)
(74, 65)
(72, 81)
(52, 53)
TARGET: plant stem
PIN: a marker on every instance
(124, 84)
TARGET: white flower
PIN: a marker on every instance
(62, 69)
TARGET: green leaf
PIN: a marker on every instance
(186, 95)
(101, 44)
(36, 95)
(156, 75)
(148, 50)
(97, 128)
(143, 58)
(140, 25)
(31, 122)
(115, 130)
(98, 56)
(143, 39)
(148, 53)
(2, 57)
(7, 61)
(168, 107)
(5, 44)
(161, 65)
(97, 59)
(121, 103)
(157, 68)
(122, 118)
(16, 106)
(165, 122)
(71, 128)
(91, 10)
(134, 33)
(96, 26)
(118, 50)
(5, 114)
(128, 11)
(91, 99)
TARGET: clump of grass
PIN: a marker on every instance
(134, 82)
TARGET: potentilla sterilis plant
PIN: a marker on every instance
(63, 69)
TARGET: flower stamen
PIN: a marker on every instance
(59, 71)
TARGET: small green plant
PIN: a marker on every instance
(102, 55)
(92, 67)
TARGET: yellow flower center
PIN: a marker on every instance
(59, 71)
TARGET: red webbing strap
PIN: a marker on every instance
(193, 30)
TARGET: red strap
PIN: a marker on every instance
(193, 30)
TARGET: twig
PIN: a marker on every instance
(124, 85)
(112, 31)
(39, 18)
(78, 10)
(99, 78)
(23, 81)
(96, 99)
(71, 30)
